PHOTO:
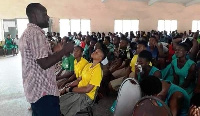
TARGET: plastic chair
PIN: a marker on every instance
(151, 106)
(128, 95)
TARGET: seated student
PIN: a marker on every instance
(193, 44)
(170, 51)
(185, 41)
(133, 46)
(183, 69)
(78, 39)
(74, 36)
(8, 45)
(116, 41)
(98, 36)
(100, 45)
(107, 76)
(123, 57)
(119, 66)
(66, 71)
(79, 64)
(110, 47)
(115, 84)
(65, 39)
(54, 36)
(143, 69)
(82, 44)
(141, 45)
(89, 50)
(174, 96)
(195, 105)
(70, 35)
(82, 91)
(161, 63)
(155, 49)
(87, 43)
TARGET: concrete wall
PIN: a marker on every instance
(102, 15)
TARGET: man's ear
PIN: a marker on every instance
(35, 17)
(32, 18)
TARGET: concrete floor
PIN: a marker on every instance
(12, 99)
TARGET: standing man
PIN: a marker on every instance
(38, 72)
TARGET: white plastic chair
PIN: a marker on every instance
(128, 95)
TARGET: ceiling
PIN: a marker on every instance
(184, 2)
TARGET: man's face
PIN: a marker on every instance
(123, 44)
(92, 43)
(97, 55)
(106, 42)
(54, 34)
(8, 37)
(97, 46)
(180, 52)
(63, 40)
(42, 17)
(152, 41)
(69, 34)
(143, 62)
(116, 41)
(87, 40)
(77, 52)
(140, 48)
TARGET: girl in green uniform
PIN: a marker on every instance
(8, 45)
(143, 69)
(183, 69)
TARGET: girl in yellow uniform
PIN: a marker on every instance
(79, 64)
(81, 92)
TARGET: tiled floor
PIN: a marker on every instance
(12, 99)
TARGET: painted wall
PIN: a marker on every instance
(102, 15)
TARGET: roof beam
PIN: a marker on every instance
(151, 2)
(192, 2)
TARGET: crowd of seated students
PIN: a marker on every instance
(165, 65)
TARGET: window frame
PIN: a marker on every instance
(122, 21)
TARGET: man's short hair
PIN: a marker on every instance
(107, 38)
(146, 55)
(124, 39)
(142, 42)
(94, 39)
(31, 8)
(185, 46)
(79, 47)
